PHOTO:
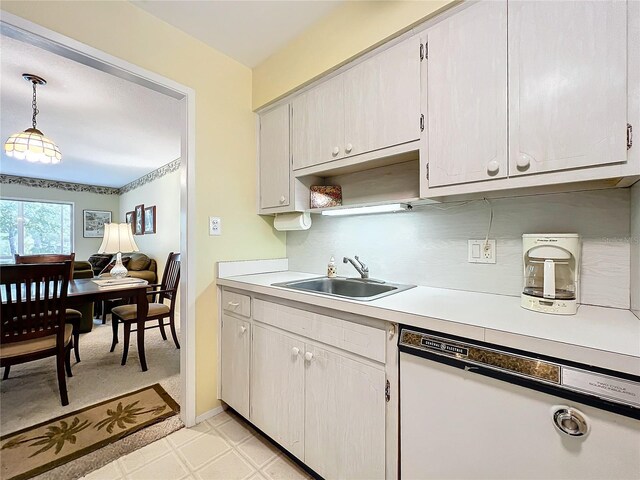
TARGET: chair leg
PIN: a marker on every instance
(172, 324)
(62, 381)
(67, 361)
(114, 329)
(76, 344)
(104, 312)
(127, 335)
(6, 372)
(161, 325)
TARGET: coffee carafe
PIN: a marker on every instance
(551, 272)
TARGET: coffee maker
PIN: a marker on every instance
(551, 272)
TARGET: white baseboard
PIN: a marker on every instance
(211, 413)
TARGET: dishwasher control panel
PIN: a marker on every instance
(557, 374)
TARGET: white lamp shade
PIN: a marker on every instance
(118, 238)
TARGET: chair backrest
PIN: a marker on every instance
(46, 258)
(33, 301)
(170, 277)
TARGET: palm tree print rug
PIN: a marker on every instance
(33, 450)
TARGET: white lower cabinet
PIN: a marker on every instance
(277, 388)
(316, 391)
(344, 416)
(234, 358)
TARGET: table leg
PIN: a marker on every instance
(143, 309)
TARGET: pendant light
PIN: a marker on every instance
(31, 145)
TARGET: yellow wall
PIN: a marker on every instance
(225, 141)
(348, 31)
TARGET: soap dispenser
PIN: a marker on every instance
(332, 271)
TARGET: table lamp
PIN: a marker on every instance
(117, 239)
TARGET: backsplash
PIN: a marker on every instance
(428, 246)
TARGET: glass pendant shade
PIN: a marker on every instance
(32, 146)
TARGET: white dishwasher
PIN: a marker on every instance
(472, 410)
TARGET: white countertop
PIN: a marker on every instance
(605, 337)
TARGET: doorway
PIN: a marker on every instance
(31, 33)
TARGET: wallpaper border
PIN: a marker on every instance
(81, 187)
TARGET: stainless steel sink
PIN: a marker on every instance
(352, 288)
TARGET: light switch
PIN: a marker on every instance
(482, 251)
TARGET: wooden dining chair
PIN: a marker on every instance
(32, 317)
(74, 317)
(158, 310)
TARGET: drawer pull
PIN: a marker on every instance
(233, 304)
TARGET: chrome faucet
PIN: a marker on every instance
(362, 269)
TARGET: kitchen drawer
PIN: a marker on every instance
(236, 303)
(353, 337)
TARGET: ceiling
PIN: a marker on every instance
(110, 131)
(248, 31)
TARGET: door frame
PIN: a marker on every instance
(16, 27)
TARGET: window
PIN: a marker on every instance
(32, 227)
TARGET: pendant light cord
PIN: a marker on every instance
(34, 105)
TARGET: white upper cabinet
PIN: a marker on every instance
(567, 85)
(382, 99)
(318, 124)
(467, 96)
(371, 106)
(275, 160)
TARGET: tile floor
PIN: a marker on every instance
(221, 448)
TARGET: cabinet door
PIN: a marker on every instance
(277, 388)
(344, 417)
(318, 124)
(567, 85)
(382, 99)
(467, 96)
(235, 347)
(275, 161)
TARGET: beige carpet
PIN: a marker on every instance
(31, 396)
(55, 442)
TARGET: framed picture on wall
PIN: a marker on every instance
(130, 218)
(93, 223)
(138, 219)
(150, 220)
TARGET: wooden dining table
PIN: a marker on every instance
(84, 290)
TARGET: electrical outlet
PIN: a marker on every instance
(481, 251)
(215, 226)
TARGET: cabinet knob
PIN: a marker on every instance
(282, 199)
(348, 148)
(308, 356)
(295, 351)
(336, 151)
(243, 329)
(493, 167)
(523, 161)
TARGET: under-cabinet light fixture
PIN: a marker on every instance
(394, 207)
